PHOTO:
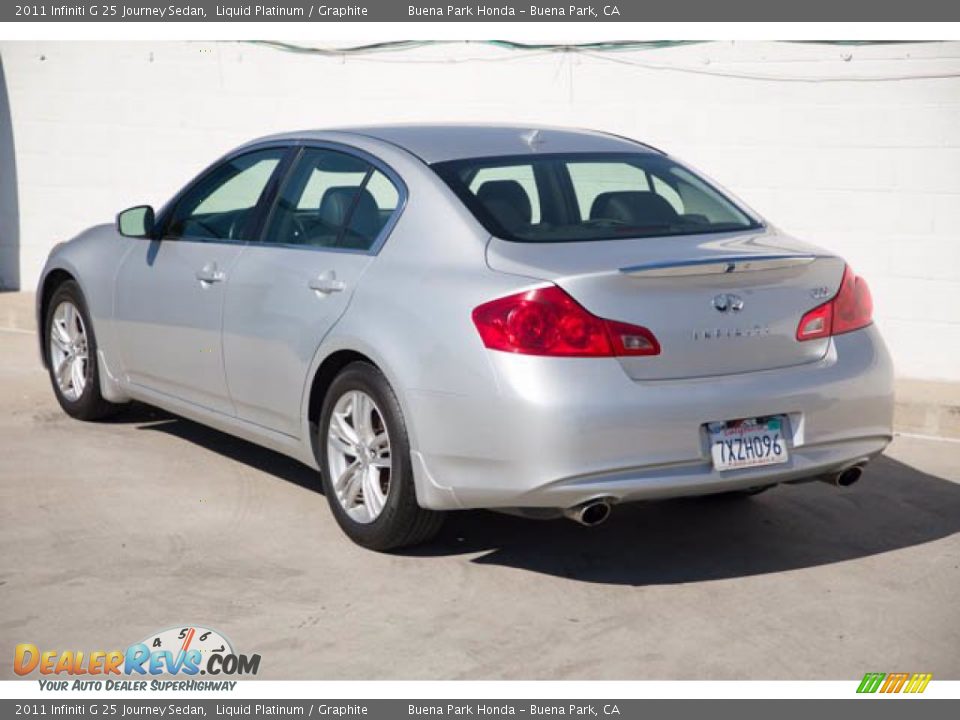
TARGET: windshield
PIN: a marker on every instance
(577, 197)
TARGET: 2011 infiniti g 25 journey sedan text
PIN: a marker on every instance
(441, 317)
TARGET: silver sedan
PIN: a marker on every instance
(537, 320)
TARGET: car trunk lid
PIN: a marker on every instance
(717, 304)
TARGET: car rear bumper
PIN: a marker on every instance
(555, 432)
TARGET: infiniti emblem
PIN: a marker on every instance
(728, 301)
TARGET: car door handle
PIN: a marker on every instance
(210, 274)
(327, 283)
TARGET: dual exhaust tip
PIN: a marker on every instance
(595, 512)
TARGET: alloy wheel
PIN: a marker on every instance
(69, 356)
(358, 456)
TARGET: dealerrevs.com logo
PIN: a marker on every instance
(184, 651)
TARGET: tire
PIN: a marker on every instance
(373, 517)
(88, 403)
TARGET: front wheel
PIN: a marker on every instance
(365, 463)
(72, 355)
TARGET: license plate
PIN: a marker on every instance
(747, 443)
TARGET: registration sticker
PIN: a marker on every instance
(748, 443)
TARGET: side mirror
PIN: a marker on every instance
(136, 222)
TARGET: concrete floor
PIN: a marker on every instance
(110, 531)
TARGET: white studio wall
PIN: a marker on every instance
(856, 148)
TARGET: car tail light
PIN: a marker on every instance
(547, 321)
(850, 309)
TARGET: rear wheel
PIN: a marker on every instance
(365, 463)
(72, 355)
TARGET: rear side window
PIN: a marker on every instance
(332, 200)
(578, 197)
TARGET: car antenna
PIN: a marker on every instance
(533, 139)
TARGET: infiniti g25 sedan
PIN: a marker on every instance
(542, 321)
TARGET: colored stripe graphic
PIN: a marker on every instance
(918, 683)
(894, 683)
(871, 682)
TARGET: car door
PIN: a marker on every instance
(170, 290)
(287, 290)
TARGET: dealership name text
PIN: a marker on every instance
(576, 710)
(571, 11)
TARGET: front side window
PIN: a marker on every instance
(333, 200)
(580, 197)
(221, 204)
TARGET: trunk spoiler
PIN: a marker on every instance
(717, 265)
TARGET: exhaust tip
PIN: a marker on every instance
(848, 477)
(590, 513)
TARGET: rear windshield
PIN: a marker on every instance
(577, 197)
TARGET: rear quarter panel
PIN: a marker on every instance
(411, 313)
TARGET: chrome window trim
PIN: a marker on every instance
(201, 241)
(721, 265)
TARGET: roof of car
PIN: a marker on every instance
(440, 142)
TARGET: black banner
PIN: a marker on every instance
(483, 709)
(493, 11)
